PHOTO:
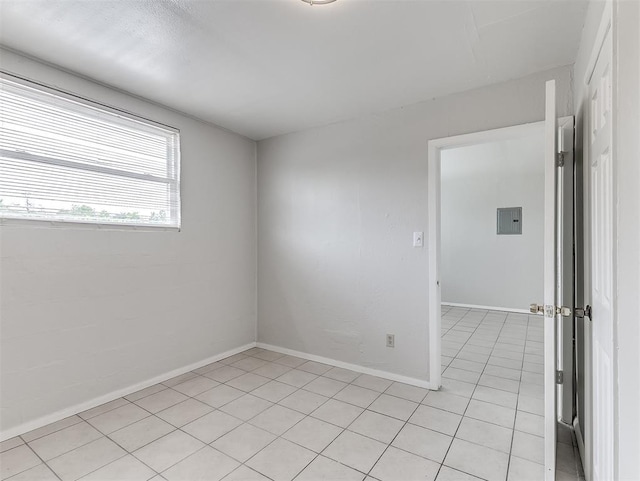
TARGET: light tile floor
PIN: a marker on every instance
(261, 415)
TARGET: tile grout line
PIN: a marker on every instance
(151, 414)
(467, 406)
(513, 432)
(343, 429)
(42, 461)
(127, 452)
(504, 324)
(368, 473)
(243, 463)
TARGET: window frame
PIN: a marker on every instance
(113, 115)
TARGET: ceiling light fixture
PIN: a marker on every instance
(318, 2)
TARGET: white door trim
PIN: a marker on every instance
(434, 319)
(601, 35)
(550, 281)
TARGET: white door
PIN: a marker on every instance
(601, 183)
(550, 277)
(558, 270)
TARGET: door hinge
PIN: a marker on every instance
(560, 159)
(559, 377)
(584, 312)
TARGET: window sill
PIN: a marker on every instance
(59, 224)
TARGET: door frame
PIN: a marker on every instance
(566, 264)
(435, 147)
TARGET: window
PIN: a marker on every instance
(67, 159)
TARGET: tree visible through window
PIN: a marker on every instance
(65, 159)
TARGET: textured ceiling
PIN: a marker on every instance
(268, 67)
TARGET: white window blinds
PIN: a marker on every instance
(70, 160)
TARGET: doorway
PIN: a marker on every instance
(488, 343)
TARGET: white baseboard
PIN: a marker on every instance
(78, 408)
(345, 365)
(488, 308)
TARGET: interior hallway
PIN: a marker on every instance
(261, 415)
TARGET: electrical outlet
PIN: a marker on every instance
(391, 340)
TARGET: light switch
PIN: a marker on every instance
(418, 239)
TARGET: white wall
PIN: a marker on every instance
(626, 144)
(477, 266)
(89, 311)
(337, 207)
